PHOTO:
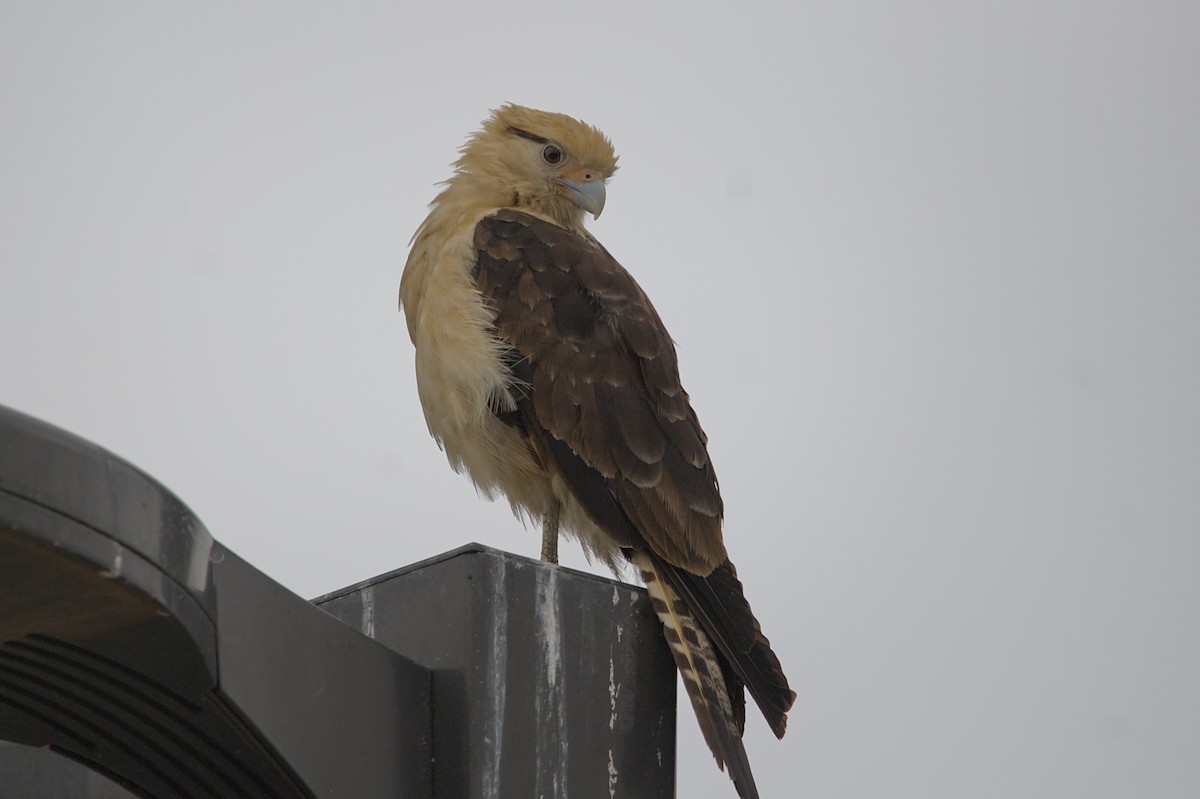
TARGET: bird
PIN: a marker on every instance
(546, 374)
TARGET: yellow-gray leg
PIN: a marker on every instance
(550, 532)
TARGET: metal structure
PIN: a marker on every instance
(141, 658)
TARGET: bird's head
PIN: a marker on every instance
(545, 162)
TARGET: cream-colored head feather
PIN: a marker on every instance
(548, 163)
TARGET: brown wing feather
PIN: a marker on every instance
(603, 403)
(603, 378)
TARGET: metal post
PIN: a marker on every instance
(547, 682)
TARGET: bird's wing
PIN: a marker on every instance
(603, 380)
(598, 393)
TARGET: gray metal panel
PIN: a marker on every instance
(547, 682)
(351, 717)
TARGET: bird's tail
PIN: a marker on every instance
(721, 716)
(719, 604)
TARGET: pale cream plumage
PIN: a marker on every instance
(460, 375)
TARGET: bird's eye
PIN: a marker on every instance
(552, 154)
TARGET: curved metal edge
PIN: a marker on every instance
(60, 537)
(71, 477)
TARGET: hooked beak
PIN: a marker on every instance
(588, 195)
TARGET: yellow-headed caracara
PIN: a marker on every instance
(546, 374)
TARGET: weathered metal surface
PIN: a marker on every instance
(547, 682)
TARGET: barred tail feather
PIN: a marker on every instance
(719, 605)
(703, 677)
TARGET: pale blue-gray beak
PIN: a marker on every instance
(589, 195)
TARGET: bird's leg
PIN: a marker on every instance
(550, 532)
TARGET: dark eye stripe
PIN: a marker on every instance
(524, 134)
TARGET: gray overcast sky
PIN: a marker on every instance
(933, 269)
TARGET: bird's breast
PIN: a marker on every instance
(462, 376)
